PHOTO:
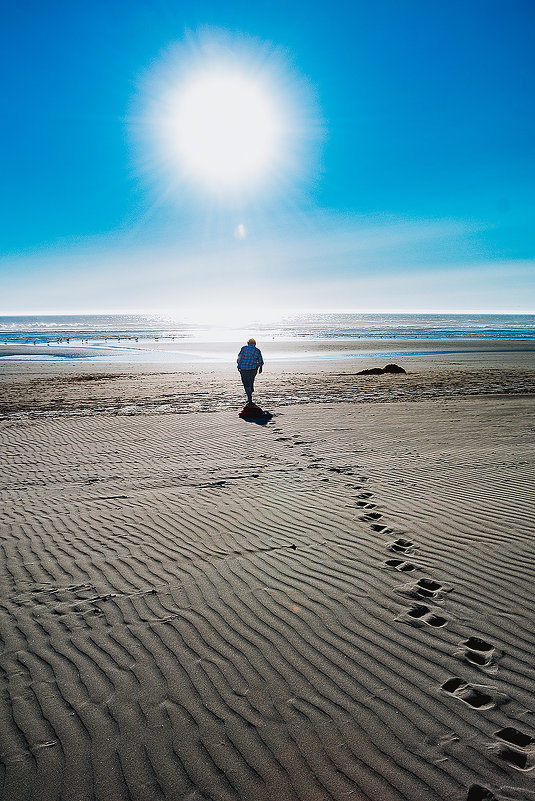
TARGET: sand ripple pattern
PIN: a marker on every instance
(202, 609)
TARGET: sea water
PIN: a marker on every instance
(152, 337)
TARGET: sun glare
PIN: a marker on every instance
(225, 129)
(228, 116)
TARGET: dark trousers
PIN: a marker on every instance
(248, 377)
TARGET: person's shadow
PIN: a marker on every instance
(252, 413)
(264, 418)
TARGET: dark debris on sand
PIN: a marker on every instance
(390, 368)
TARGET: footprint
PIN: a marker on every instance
(424, 589)
(477, 644)
(401, 546)
(379, 527)
(400, 564)
(519, 751)
(437, 621)
(365, 495)
(427, 588)
(515, 737)
(478, 793)
(477, 652)
(371, 516)
(419, 613)
(518, 760)
(467, 694)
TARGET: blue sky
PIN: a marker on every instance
(410, 186)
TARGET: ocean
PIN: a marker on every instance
(151, 337)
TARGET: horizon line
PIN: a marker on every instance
(284, 312)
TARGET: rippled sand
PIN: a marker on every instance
(338, 604)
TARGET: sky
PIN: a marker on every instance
(400, 177)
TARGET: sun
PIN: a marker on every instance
(224, 129)
(225, 120)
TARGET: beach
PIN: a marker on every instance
(334, 605)
(193, 376)
(319, 588)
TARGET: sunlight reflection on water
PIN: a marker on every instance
(160, 338)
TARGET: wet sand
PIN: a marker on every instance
(294, 373)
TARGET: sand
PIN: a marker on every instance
(320, 372)
(335, 605)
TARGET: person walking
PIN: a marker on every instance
(250, 362)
